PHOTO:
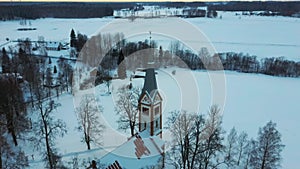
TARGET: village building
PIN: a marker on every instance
(145, 148)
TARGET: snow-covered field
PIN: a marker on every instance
(255, 35)
(251, 99)
(52, 29)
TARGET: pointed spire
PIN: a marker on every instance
(150, 84)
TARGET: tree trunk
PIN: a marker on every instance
(13, 134)
(31, 95)
(0, 158)
(240, 156)
(132, 130)
(265, 156)
(87, 141)
(195, 151)
(10, 128)
(49, 153)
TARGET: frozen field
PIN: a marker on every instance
(52, 29)
(251, 101)
(255, 35)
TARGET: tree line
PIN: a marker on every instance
(35, 10)
(282, 8)
(177, 55)
(27, 107)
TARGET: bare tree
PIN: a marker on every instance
(267, 152)
(127, 108)
(184, 139)
(89, 120)
(47, 128)
(242, 143)
(231, 148)
(196, 140)
(213, 133)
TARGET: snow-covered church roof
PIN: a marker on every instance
(137, 152)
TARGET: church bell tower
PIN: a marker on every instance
(150, 106)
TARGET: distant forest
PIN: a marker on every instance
(283, 8)
(34, 10)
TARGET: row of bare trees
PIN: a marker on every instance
(200, 142)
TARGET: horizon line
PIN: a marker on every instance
(150, 1)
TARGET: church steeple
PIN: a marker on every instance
(150, 101)
(150, 105)
(150, 81)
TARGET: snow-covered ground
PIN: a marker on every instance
(251, 101)
(256, 35)
(52, 29)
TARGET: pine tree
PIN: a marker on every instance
(49, 61)
(5, 62)
(55, 70)
(268, 147)
(160, 56)
(122, 66)
(72, 38)
(80, 42)
(13, 107)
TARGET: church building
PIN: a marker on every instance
(146, 148)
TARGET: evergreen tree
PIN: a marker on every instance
(121, 66)
(268, 147)
(160, 56)
(5, 62)
(80, 42)
(55, 69)
(49, 61)
(12, 107)
(72, 38)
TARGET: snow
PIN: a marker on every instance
(126, 153)
(256, 35)
(248, 100)
(52, 29)
(251, 101)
